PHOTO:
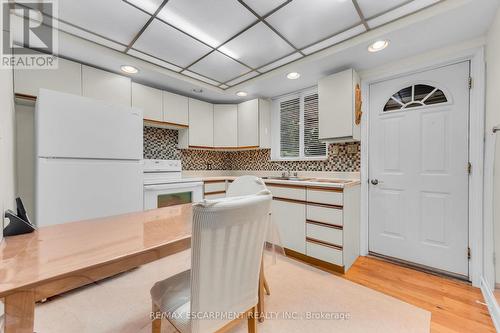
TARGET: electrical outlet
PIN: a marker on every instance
(335, 150)
(352, 149)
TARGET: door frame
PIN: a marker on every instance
(440, 58)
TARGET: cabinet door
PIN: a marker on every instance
(248, 123)
(149, 100)
(106, 86)
(336, 107)
(175, 108)
(201, 123)
(225, 125)
(291, 221)
(66, 78)
(264, 123)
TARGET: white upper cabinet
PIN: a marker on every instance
(264, 123)
(248, 124)
(106, 86)
(175, 109)
(66, 78)
(337, 97)
(149, 100)
(225, 125)
(201, 123)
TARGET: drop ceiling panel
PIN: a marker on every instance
(262, 7)
(335, 39)
(201, 78)
(149, 6)
(243, 78)
(113, 19)
(167, 43)
(258, 46)
(212, 21)
(89, 36)
(372, 8)
(399, 12)
(304, 22)
(219, 67)
(153, 60)
(280, 62)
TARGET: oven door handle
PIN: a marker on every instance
(172, 186)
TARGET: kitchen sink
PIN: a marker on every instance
(318, 180)
(288, 178)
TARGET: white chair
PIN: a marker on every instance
(249, 185)
(227, 243)
(245, 185)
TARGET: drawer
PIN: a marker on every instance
(324, 214)
(215, 196)
(215, 187)
(328, 197)
(325, 234)
(295, 193)
(324, 253)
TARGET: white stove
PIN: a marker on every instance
(164, 185)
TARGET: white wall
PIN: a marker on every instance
(493, 118)
(7, 175)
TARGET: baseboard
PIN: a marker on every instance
(491, 302)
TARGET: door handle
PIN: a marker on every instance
(374, 181)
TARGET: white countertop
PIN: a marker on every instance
(310, 181)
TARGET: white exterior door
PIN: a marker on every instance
(419, 153)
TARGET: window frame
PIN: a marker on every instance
(276, 128)
(405, 109)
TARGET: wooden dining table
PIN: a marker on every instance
(59, 258)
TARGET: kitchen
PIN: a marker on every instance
(370, 148)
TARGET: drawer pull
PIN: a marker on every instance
(325, 205)
(316, 241)
(322, 224)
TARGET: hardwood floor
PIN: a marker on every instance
(453, 304)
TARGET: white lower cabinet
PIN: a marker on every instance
(322, 223)
(325, 253)
(289, 217)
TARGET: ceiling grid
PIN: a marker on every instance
(230, 41)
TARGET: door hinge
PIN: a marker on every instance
(470, 82)
(469, 168)
(468, 253)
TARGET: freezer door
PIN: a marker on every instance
(71, 190)
(79, 127)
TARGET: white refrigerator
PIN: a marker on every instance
(89, 158)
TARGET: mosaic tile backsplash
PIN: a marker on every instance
(160, 143)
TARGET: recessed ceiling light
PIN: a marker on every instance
(378, 45)
(293, 75)
(241, 93)
(129, 69)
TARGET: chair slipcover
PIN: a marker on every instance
(227, 242)
(248, 185)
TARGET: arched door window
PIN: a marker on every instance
(415, 96)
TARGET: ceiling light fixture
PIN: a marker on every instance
(241, 93)
(129, 69)
(293, 75)
(378, 45)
